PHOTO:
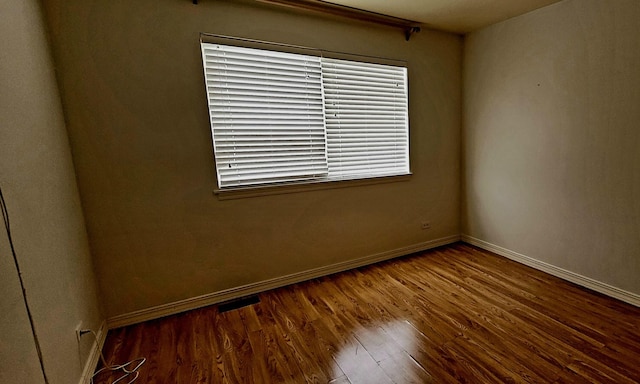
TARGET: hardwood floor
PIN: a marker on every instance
(456, 314)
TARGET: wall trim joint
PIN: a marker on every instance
(586, 282)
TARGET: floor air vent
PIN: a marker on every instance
(238, 303)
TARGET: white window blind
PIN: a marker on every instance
(366, 118)
(282, 117)
(266, 115)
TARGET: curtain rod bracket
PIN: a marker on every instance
(410, 31)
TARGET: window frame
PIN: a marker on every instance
(316, 183)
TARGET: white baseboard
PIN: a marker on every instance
(94, 354)
(573, 277)
(265, 285)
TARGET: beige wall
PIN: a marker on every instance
(552, 138)
(132, 85)
(38, 183)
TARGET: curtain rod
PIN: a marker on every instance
(215, 39)
(318, 6)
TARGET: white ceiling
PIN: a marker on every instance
(458, 16)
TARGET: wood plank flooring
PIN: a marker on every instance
(455, 314)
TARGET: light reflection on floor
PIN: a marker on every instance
(382, 353)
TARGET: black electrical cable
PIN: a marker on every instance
(7, 226)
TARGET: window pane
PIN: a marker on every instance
(366, 119)
(266, 115)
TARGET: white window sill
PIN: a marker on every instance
(246, 192)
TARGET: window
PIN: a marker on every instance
(281, 117)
